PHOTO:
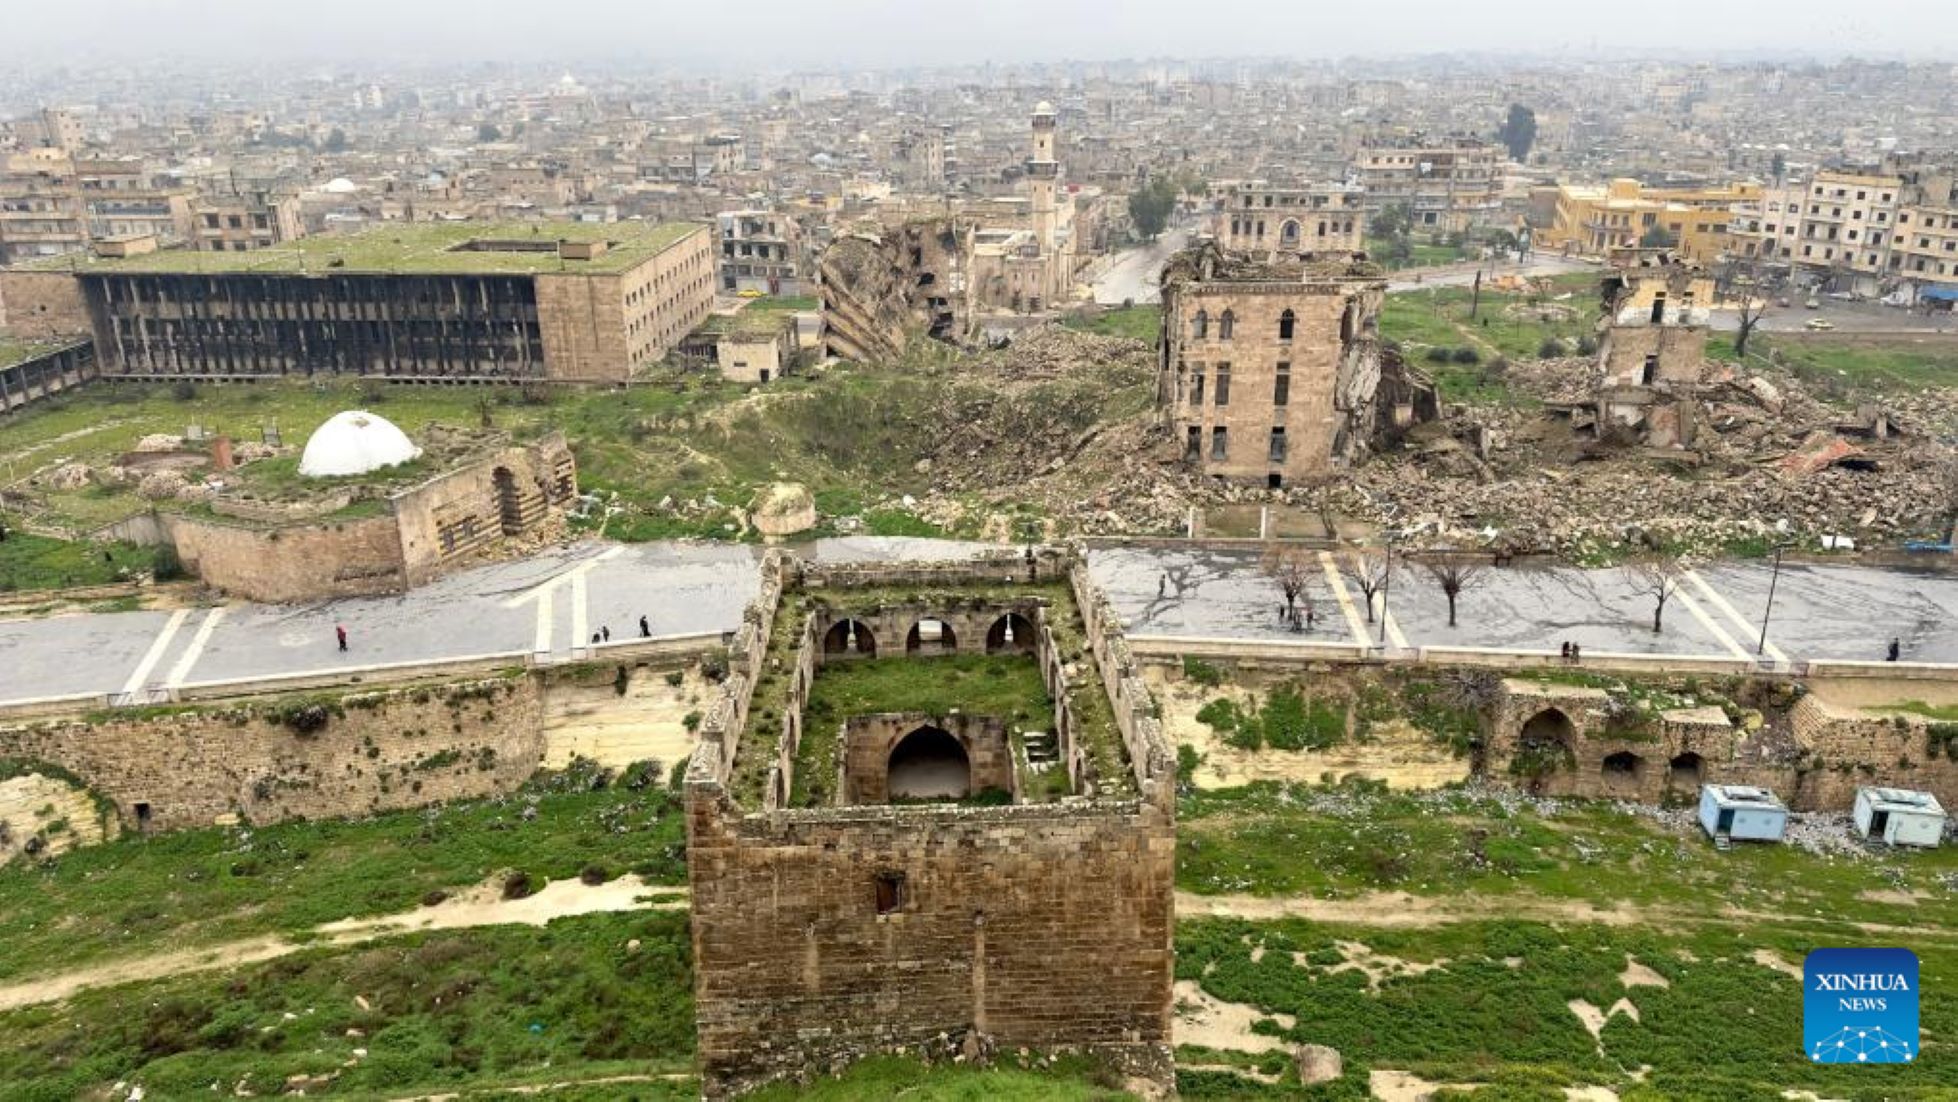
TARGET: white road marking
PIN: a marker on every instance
(580, 611)
(545, 614)
(1338, 584)
(181, 670)
(1716, 600)
(157, 648)
(1712, 626)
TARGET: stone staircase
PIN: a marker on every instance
(1043, 752)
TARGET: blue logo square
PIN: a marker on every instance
(1859, 1006)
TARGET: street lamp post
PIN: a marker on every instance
(1386, 582)
(1773, 580)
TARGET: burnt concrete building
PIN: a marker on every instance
(450, 301)
(1274, 371)
(996, 874)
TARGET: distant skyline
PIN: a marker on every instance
(825, 34)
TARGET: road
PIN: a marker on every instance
(553, 602)
(1821, 611)
(1462, 275)
(1137, 274)
(1847, 317)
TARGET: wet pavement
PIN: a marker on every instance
(550, 604)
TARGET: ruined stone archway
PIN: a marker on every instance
(1685, 771)
(930, 636)
(849, 639)
(1010, 634)
(1546, 745)
(929, 764)
(1622, 768)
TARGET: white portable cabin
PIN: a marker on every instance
(1899, 816)
(1742, 812)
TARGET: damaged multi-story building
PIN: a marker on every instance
(1651, 345)
(563, 302)
(1257, 217)
(1273, 371)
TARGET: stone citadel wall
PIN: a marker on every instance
(264, 762)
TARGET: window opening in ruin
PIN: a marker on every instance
(1219, 442)
(1658, 308)
(929, 764)
(890, 892)
(1195, 449)
(1278, 445)
(509, 506)
(1196, 386)
(1287, 321)
(1649, 374)
(1223, 384)
(1281, 387)
(1624, 764)
(142, 815)
(1200, 325)
(764, 374)
(1289, 232)
(1225, 325)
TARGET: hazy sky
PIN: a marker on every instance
(886, 33)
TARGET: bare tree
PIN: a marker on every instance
(1291, 568)
(1368, 573)
(1658, 576)
(1745, 278)
(1455, 575)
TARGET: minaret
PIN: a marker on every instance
(1042, 173)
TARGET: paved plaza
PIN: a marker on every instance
(550, 605)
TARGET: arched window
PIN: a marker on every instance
(1225, 324)
(1286, 322)
(1288, 234)
(1200, 325)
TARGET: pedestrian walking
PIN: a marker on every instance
(1576, 653)
(606, 631)
(340, 633)
(645, 629)
(1566, 650)
(1162, 587)
(1896, 648)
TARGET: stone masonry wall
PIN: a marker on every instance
(869, 740)
(1032, 925)
(377, 751)
(295, 562)
(43, 305)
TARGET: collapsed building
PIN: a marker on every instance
(882, 282)
(570, 302)
(1651, 346)
(1274, 371)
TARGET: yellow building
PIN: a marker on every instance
(1600, 221)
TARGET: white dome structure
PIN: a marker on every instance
(355, 442)
(340, 185)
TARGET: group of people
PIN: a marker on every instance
(604, 632)
(602, 635)
(1572, 652)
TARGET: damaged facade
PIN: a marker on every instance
(1275, 371)
(1652, 342)
(569, 302)
(881, 282)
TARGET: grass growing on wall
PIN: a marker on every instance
(193, 887)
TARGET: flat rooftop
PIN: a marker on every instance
(16, 350)
(486, 248)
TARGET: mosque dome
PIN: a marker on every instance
(355, 442)
(340, 185)
(1042, 108)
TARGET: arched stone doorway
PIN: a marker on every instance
(509, 505)
(1545, 746)
(849, 639)
(1288, 234)
(1622, 770)
(929, 764)
(929, 636)
(1685, 770)
(1010, 634)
